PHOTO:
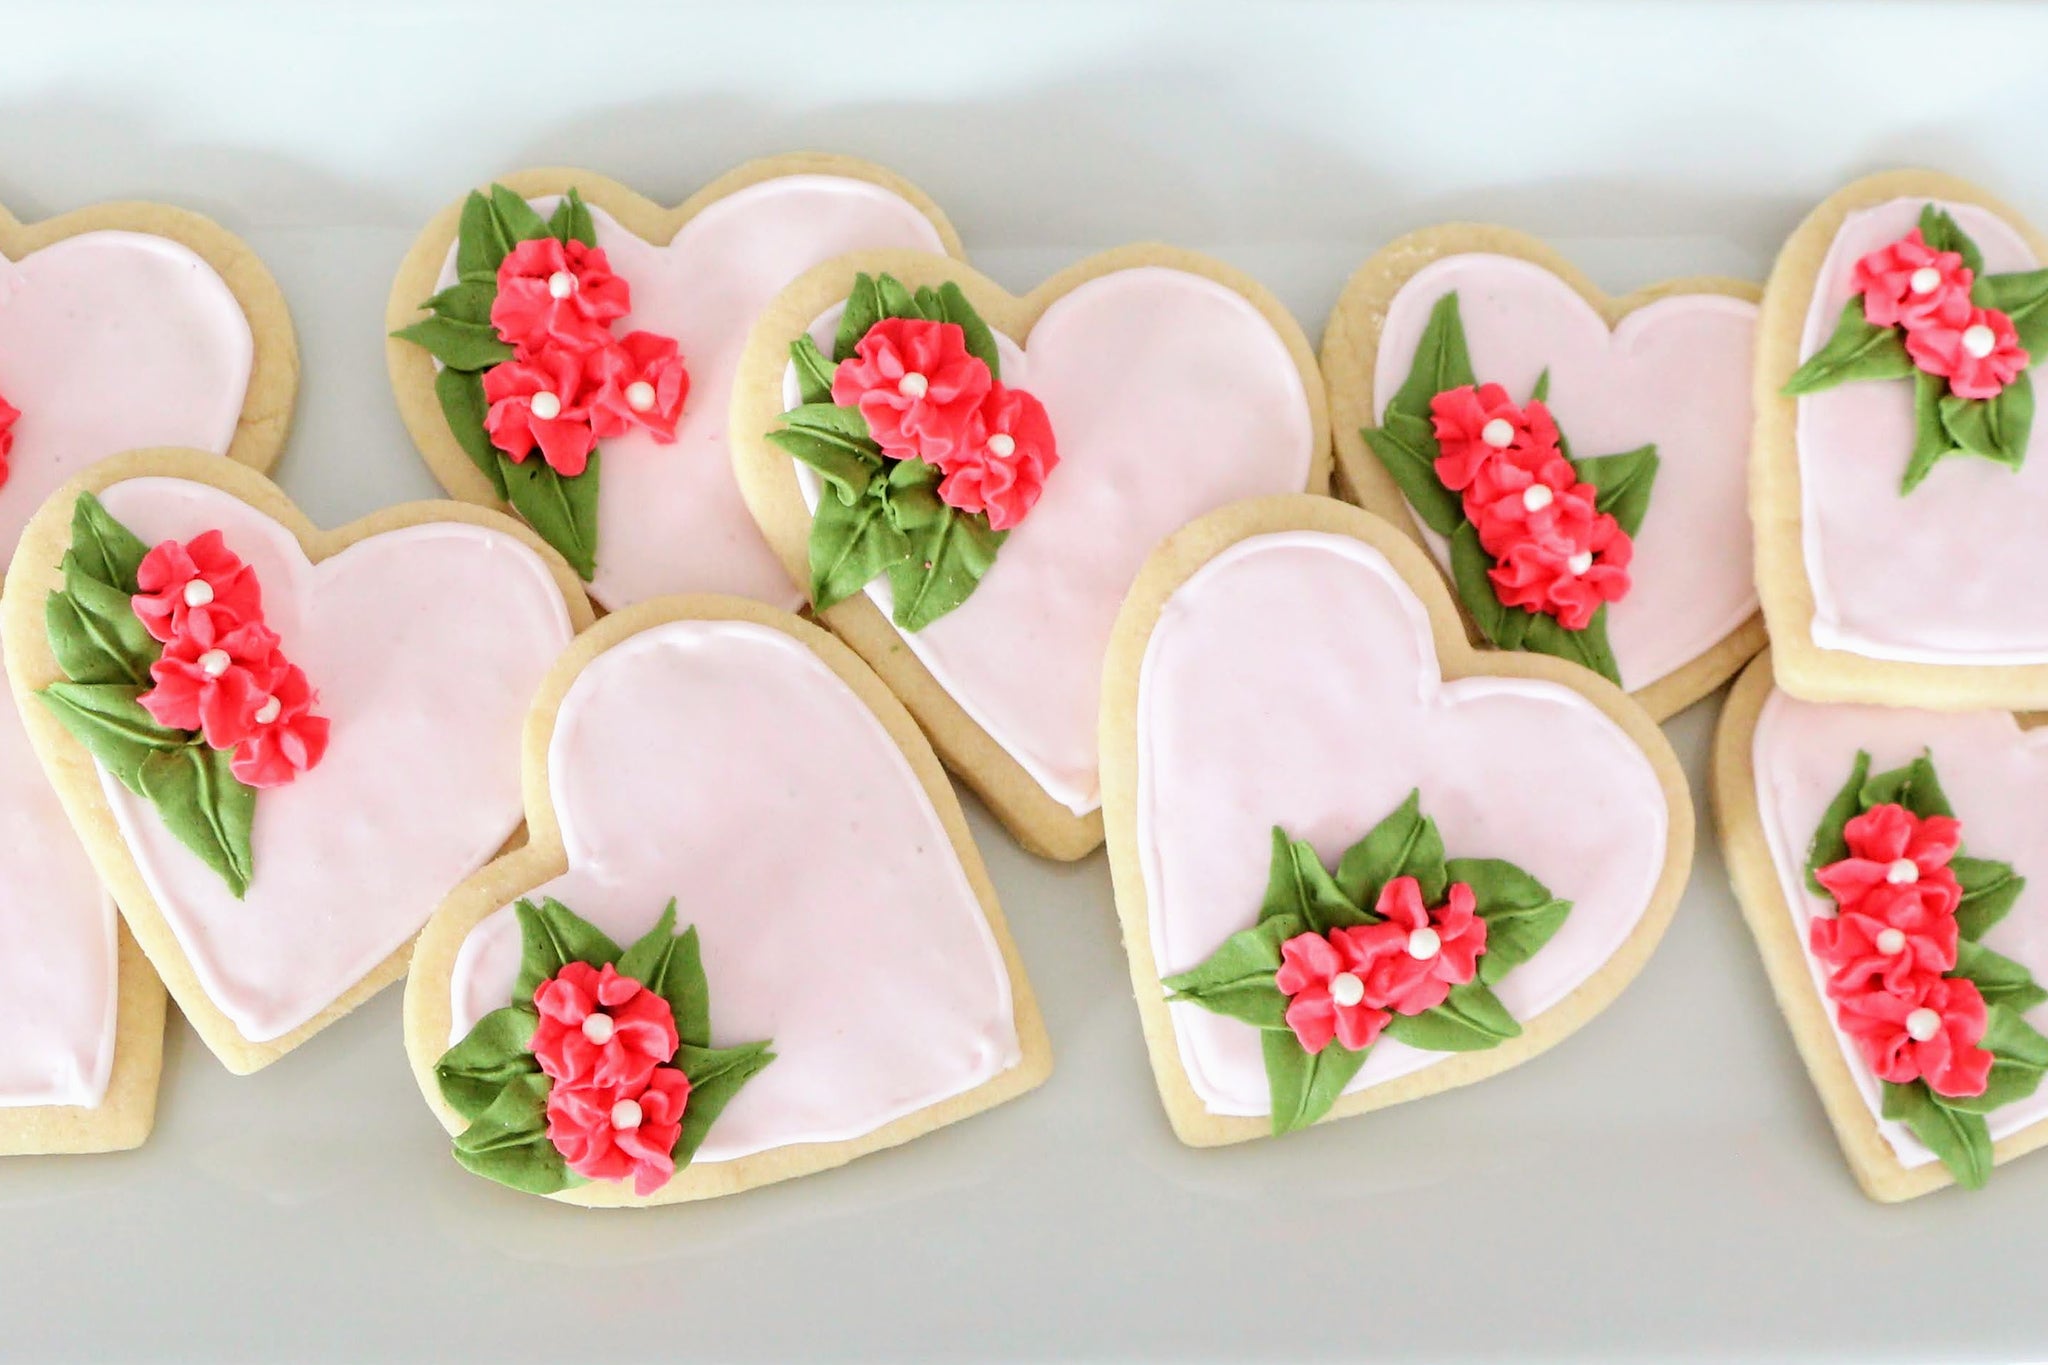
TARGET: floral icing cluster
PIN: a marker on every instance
(1932, 1013)
(175, 684)
(1922, 308)
(9, 415)
(601, 1068)
(1399, 942)
(1540, 541)
(926, 458)
(530, 362)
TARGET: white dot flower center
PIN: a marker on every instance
(1346, 989)
(546, 406)
(561, 284)
(599, 1028)
(1922, 1024)
(626, 1114)
(214, 662)
(1537, 496)
(1499, 433)
(1580, 562)
(1891, 942)
(1979, 341)
(1424, 944)
(198, 593)
(1904, 872)
(639, 395)
(1002, 446)
(271, 709)
(1926, 280)
(913, 385)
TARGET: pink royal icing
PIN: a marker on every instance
(1675, 372)
(723, 764)
(1170, 395)
(428, 643)
(670, 517)
(1933, 577)
(1321, 657)
(1995, 776)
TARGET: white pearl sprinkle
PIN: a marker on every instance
(626, 1114)
(598, 1027)
(639, 395)
(1979, 340)
(1424, 944)
(1002, 446)
(198, 593)
(1925, 279)
(214, 662)
(1580, 562)
(912, 385)
(561, 284)
(546, 406)
(1499, 433)
(1346, 989)
(1891, 942)
(1904, 872)
(271, 709)
(1922, 1024)
(1537, 496)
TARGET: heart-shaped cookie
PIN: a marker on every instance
(121, 325)
(1893, 566)
(666, 516)
(747, 768)
(1794, 782)
(1665, 367)
(274, 901)
(1171, 386)
(1289, 683)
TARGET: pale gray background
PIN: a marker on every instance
(1662, 1184)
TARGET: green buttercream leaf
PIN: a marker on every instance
(463, 405)
(850, 546)
(1237, 979)
(94, 631)
(1470, 565)
(1931, 441)
(551, 934)
(205, 806)
(516, 218)
(1471, 1019)
(460, 345)
(672, 966)
(1829, 843)
(1624, 482)
(468, 301)
(1993, 428)
(952, 306)
(493, 1054)
(480, 245)
(813, 372)
(944, 563)
(1441, 361)
(1520, 913)
(1859, 349)
(1299, 887)
(560, 509)
(2023, 297)
(1404, 844)
(1406, 445)
(1961, 1140)
(103, 548)
(2020, 1055)
(571, 221)
(1588, 648)
(2001, 980)
(716, 1075)
(508, 1142)
(1541, 393)
(1304, 1086)
(108, 720)
(835, 442)
(1939, 231)
(863, 310)
(896, 300)
(1913, 786)
(1989, 891)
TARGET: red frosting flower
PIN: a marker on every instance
(542, 400)
(1896, 856)
(283, 738)
(1887, 951)
(555, 293)
(611, 1132)
(1527, 493)
(1473, 425)
(1909, 284)
(1929, 1032)
(1570, 573)
(215, 684)
(917, 386)
(638, 381)
(1414, 957)
(1326, 995)
(1978, 357)
(600, 1029)
(9, 415)
(202, 579)
(1000, 468)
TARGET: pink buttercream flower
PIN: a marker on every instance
(9, 415)
(1569, 573)
(1326, 996)
(552, 293)
(543, 401)
(917, 386)
(1000, 468)
(1978, 358)
(615, 1132)
(215, 684)
(201, 578)
(1416, 954)
(1887, 943)
(598, 1028)
(1909, 284)
(1929, 1032)
(1527, 493)
(284, 737)
(637, 381)
(1473, 425)
(1895, 855)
